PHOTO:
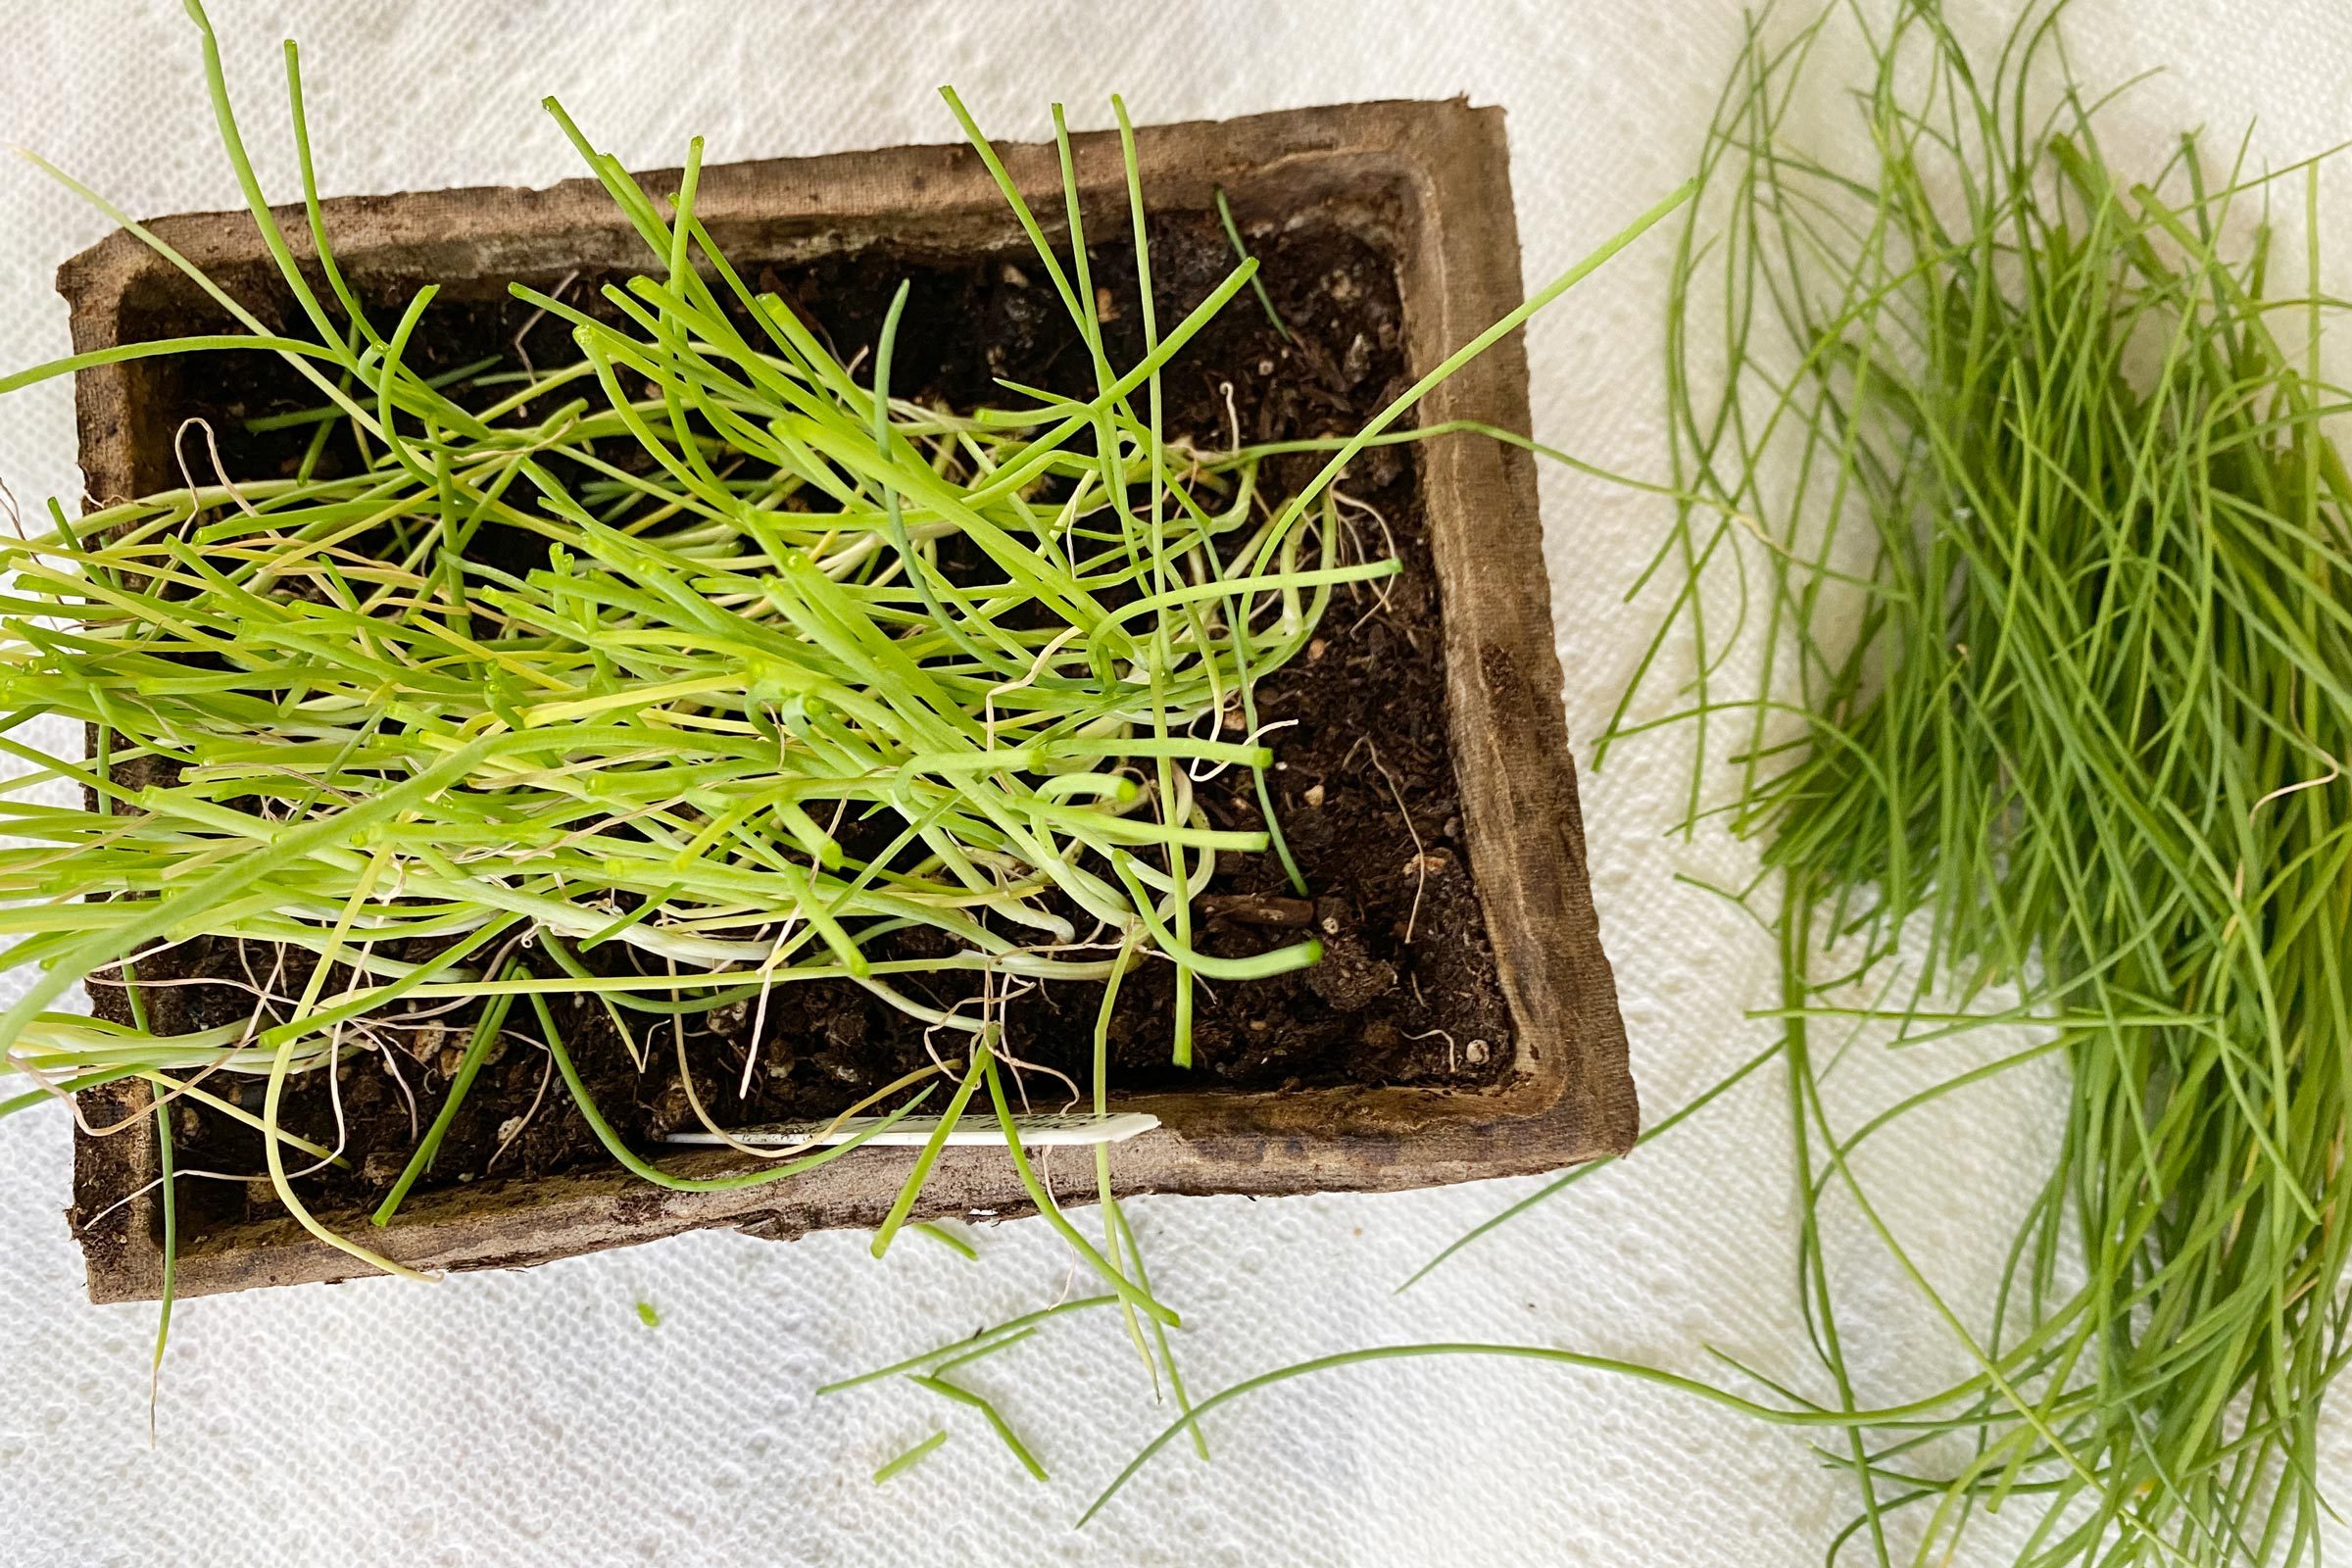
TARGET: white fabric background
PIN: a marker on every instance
(531, 1418)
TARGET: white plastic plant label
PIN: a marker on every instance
(1036, 1131)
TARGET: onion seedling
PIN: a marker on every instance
(776, 676)
(759, 626)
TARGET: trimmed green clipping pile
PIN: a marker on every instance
(2057, 436)
(2056, 571)
(2012, 468)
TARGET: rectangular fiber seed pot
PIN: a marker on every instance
(1422, 186)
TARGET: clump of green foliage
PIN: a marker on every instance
(2059, 591)
(787, 667)
(747, 615)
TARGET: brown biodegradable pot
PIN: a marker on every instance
(1425, 183)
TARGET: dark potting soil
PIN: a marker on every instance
(1407, 991)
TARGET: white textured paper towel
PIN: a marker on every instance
(532, 1418)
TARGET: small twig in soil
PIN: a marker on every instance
(1258, 908)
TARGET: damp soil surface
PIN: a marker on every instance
(1407, 991)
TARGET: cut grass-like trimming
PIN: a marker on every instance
(2016, 475)
(2062, 593)
(892, 1469)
